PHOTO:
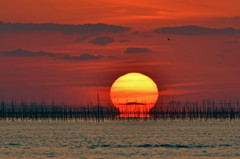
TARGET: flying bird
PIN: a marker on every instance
(168, 38)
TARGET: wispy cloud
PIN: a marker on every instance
(26, 53)
(63, 28)
(81, 39)
(83, 57)
(102, 40)
(195, 30)
(20, 52)
(124, 41)
(133, 50)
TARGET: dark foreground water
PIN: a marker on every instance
(115, 139)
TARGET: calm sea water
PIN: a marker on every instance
(116, 139)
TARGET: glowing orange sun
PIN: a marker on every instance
(134, 94)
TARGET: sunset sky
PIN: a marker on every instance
(70, 50)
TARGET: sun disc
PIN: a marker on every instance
(134, 93)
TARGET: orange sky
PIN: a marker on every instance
(147, 13)
(201, 65)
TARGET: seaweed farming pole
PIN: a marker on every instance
(98, 114)
(2, 110)
(204, 110)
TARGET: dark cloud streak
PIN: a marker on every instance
(133, 50)
(195, 30)
(25, 53)
(63, 28)
(20, 52)
(102, 40)
(83, 57)
(124, 41)
(81, 39)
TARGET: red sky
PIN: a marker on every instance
(201, 64)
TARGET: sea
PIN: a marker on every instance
(120, 139)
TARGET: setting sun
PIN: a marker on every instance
(134, 94)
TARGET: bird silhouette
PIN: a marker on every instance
(168, 38)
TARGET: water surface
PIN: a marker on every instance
(118, 139)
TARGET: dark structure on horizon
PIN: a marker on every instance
(173, 110)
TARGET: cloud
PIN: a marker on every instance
(195, 30)
(81, 39)
(133, 50)
(124, 41)
(102, 40)
(20, 52)
(25, 53)
(83, 57)
(63, 28)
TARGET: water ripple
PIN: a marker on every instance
(158, 146)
